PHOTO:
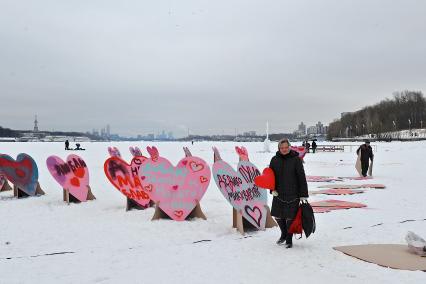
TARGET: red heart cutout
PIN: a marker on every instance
(266, 180)
(203, 179)
(184, 163)
(75, 181)
(175, 187)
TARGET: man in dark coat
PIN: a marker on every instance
(291, 187)
(366, 155)
(314, 146)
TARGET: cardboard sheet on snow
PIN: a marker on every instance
(322, 179)
(356, 178)
(353, 186)
(336, 191)
(387, 255)
(329, 205)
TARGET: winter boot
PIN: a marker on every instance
(289, 236)
(282, 224)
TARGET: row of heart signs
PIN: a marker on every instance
(176, 190)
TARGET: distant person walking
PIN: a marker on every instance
(366, 153)
(314, 146)
(291, 187)
(67, 145)
(307, 146)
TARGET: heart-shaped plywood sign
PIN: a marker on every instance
(126, 179)
(22, 172)
(239, 189)
(71, 174)
(175, 189)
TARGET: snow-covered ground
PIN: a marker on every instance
(106, 244)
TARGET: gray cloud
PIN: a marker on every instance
(210, 66)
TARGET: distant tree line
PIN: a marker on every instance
(7, 132)
(406, 110)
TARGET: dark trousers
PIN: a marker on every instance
(364, 168)
(284, 225)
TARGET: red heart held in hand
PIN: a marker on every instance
(266, 180)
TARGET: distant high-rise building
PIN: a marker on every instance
(302, 128)
(108, 130)
(35, 124)
(320, 128)
(150, 136)
(312, 130)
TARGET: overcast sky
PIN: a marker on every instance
(206, 66)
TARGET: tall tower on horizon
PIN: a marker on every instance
(35, 124)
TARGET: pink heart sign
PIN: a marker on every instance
(126, 179)
(239, 189)
(176, 190)
(72, 174)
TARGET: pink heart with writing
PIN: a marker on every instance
(176, 190)
(72, 175)
(239, 189)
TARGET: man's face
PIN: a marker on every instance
(284, 148)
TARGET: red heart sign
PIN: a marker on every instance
(23, 172)
(125, 178)
(266, 180)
